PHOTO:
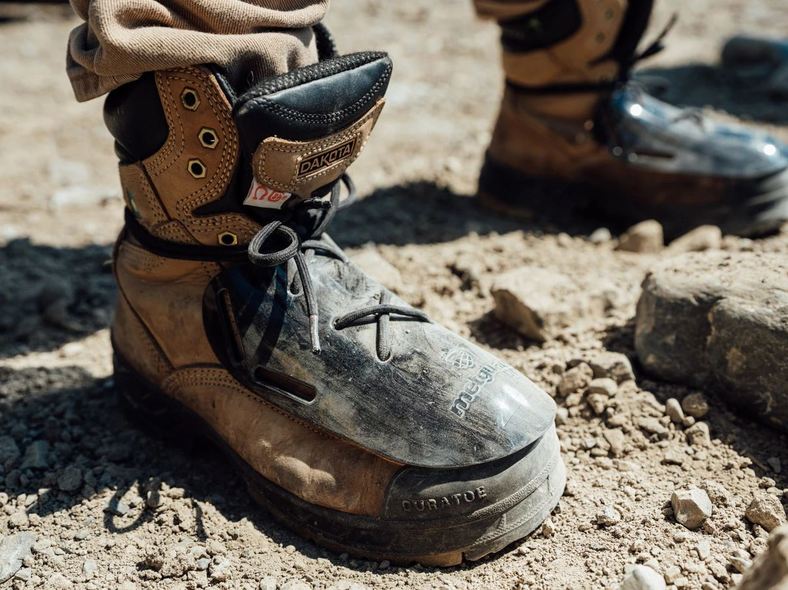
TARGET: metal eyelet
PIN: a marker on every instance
(196, 168)
(190, 99)
(227, 238)
(208, 138)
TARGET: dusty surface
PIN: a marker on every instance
(60, 210)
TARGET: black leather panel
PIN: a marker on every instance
(550, 24)
(135, 117)
(312, 102)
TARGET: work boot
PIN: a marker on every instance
(572, 124)
(350, 415)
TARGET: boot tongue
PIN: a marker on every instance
(300, 131)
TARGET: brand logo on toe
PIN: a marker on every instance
(474, 386)
(444, 502)
(326, 158)
(461, 358)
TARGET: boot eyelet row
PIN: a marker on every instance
(196, 168)
(190, 99)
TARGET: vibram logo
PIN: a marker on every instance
(327, 158)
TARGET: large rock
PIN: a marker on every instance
(541, 303)
(770, 570)
(14, 549)
(720, 320)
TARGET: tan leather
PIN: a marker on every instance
(188, 171)
(507, 9)
(565, 149)
(301, 167)
(573, 60)
(158, 329)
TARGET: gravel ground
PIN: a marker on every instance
(107, 505)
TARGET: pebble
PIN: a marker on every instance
(766, 510)
(698, 434)
(646, 237)
(691, 507)
(642, 577)
(295, 585)
(614, 365)
(58, 582)
(89, 568)
(608, 516)
(348, 585)
(600, 235)
(268, 583)
(219, 572)
(652, 425)
(575, 379)
(616, 439)
(18, 519)
(548, 528)
(695, 405)
(718, 493)
(674, 411)
(604, 386)
(597, 402)
(672, 573)
(674, 456)
(70, 480)
(740, 560)
(9, 451)
(704, 237)
(14, 550)
(704, 549)
(36, 455)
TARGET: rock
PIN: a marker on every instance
(717, 320)
(740, 560)
(18, 519)
(348, 585)
(698, 435)
(9, 451)
(695, 405)
(600, 235)
(295, 585)
(643, 577)
(89, 568)
(770, 570)
(380, 269)
(674, 456)
(766, 510)
(613, 365)
(674, 411)
(540, 304)
(36, 455)
(608, 516)
(691, 507)
(14, 550)
(651, 425)
(268, 583)
(705, 237)
(598, 402)
(718, 493)
(603, 385)
(616, 440)
(645, 237)
(575, 379)
(220, 570)
(70, 480)
(58, 582)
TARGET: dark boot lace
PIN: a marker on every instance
(295, 249)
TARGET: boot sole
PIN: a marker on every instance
(762, 211)
(437, 542)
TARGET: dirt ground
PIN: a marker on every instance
(61, 428)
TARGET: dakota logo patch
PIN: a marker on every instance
(326, 158)
(265, 197)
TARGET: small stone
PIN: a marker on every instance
(608, 516)
(695, 405)
(614, 365)
(70, 480)
(616, 439)
(204, 563)
(14, 550)
(561, 416)
(698, 435)
(89, 568)
(718, 493)
(766, 510)
(219, 572)
(58, 582)
(604, 386)
(651, 426)
(704, 237)
(295, 585)
(548, 528)
(268, 583)
(600, 235)
(348, 585)
(704, 549)
(674, 411)
(739, 563)
(643, 577)
(575, 379)
(598, 403)
(645, 237)
(18, 519)
(674, 456)
(691, 507)
(672, 573)
(36, 455)
(9, 451)
(775, 464)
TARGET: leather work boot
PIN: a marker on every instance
(572, 124)
(351, 416)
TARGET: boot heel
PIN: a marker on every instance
(149, 409)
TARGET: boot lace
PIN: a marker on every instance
(295, 249)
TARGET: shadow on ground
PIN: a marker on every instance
(51, 296)
(703, 85)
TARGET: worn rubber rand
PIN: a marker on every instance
(443, 541)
